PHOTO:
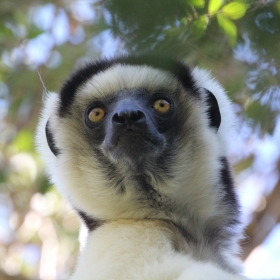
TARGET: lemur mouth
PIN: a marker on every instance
(128, 143)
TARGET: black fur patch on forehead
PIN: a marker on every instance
(177, 68)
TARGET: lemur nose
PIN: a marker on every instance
(127, 113)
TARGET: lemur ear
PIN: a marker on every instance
(50, 140)
(213, 111)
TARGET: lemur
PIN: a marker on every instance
(138, 146)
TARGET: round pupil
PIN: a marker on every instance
(161, 106)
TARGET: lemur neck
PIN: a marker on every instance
(125, 248)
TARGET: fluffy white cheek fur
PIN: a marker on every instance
(50, 107)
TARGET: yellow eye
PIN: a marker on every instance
(96, 114)
(161, 106)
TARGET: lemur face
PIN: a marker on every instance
(134, 126)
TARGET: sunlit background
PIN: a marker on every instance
(41, 41)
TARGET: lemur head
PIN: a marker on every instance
(141, 137)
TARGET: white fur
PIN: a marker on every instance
(50, 103)
(119, 77)
(140, 250)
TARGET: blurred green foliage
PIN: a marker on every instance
(238, 40)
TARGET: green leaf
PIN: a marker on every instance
(214, 6)
(197, 3)
(5, 32)
(200, 25)
(260, 115)
(24, 141)
(234, 10)
(244, 164)
(44, 185)
(278, 7)
(34, 32)
(228, 27)
(184, 20)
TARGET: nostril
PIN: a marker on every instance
(118, 119)
(136, 116)
(127, 116)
